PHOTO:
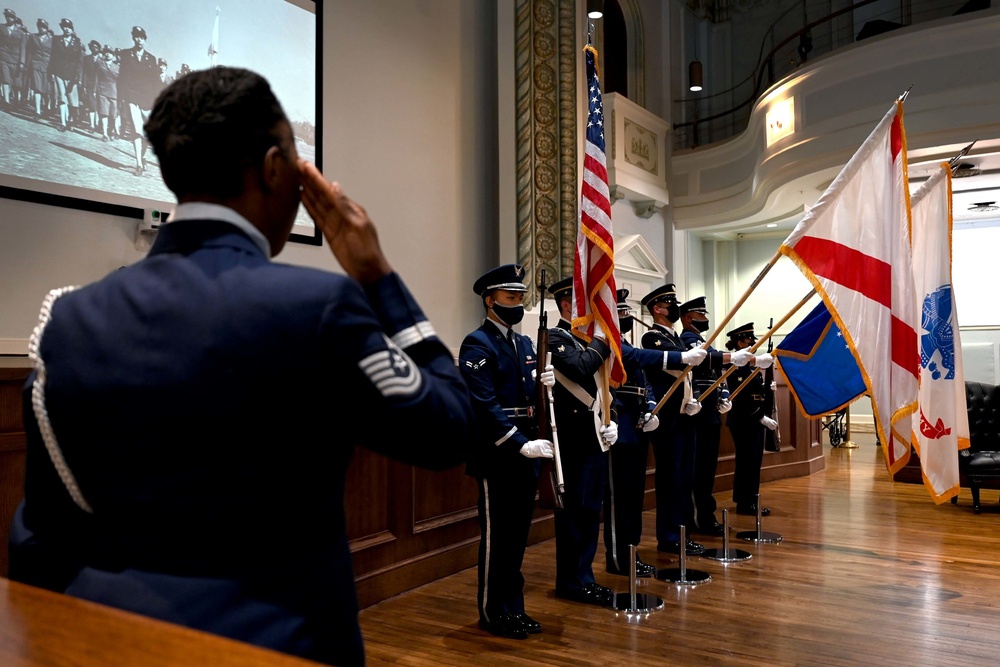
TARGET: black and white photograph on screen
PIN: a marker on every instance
(78, 79)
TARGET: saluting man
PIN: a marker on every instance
(499, 366)
(626, 487)
(583, 450)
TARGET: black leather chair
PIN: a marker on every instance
(979, 465)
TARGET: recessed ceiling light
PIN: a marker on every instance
(984, 207)
(771, 224)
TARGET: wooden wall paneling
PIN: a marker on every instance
(368, 500)
(13, 373)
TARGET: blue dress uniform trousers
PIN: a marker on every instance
(207, 400)
(626, 488)
(585, 465)
(498, 373)
(743, 421)
(708, 431)
(673, 442)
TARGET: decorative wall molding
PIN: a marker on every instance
(546, 137)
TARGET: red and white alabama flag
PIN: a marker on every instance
(854, 246)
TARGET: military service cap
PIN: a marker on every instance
(622, 296)
(745, 331)
(562, 289)
(666, 293)
(508, 277)
(696, 305)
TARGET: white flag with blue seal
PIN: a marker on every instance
(941, 424)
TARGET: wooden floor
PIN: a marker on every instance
(868, 573)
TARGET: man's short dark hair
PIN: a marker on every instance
(210, 126)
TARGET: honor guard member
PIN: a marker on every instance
(499, 365)
(674, 441)
(583, 445)
(708, 423)
(747, 421)
(626, 487)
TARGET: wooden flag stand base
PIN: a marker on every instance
(848, 443)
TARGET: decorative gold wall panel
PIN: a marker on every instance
(545, 82)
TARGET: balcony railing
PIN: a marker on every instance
(790, 42)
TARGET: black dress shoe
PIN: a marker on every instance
(714, 528)
(505, 625)
(642, 570)
(589, 594)
(751, 510)
(691, 548)
(530, 625)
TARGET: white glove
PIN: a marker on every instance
(764, 361)
(694, 357)
(692, 408)
(740, 357)
(725, 405)
(548, 377)
(537, 449)
(609, 433)
(774, 386)
(768, 422)
(650, 422)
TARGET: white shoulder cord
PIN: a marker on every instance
(38, 401)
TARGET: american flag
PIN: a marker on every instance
(594, 293)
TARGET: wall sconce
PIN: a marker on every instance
(595, 9)
(780, 120)
(694, 76)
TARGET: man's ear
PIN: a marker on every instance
(270, 167)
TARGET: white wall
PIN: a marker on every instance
(409, 129)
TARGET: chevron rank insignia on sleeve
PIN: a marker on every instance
(476, 365)
(391, 371)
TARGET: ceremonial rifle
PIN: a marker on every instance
(551, 489)
(772, 439)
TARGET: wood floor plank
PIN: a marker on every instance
(868, 572)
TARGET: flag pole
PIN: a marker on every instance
(719, 328)
(763, 339)
(961, 154)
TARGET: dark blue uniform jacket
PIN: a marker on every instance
(207, 401)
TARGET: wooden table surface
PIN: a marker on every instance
(38, 627)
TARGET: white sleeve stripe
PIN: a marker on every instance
(413, 335)
(512, 431)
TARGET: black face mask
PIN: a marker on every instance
(673, 312)
(625, 324)
(700, 325)
(509, 315)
